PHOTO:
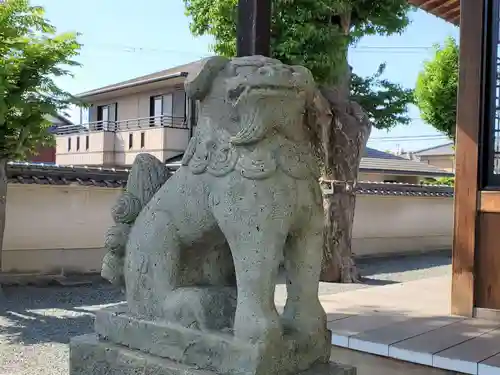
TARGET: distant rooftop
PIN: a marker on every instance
(441, 150)
(382, 162)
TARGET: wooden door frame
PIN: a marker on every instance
(469, 120)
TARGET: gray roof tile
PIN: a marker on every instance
(50, 174)
(392, 189)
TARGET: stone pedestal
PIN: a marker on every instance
(90, 355)
(124, 345)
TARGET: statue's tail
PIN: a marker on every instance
(146, 177)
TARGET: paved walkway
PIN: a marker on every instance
(411, 321)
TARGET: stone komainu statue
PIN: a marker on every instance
(202, 247)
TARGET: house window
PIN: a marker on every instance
(106, 116)
(69, 144)
(130, 141)
(489, 166)
(77, 143)
(168, 109)
(87, 142)
(143, 139)
(179, 108)
(156, 110)
(103, 116)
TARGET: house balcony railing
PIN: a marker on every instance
(125, 125)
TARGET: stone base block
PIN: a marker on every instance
(91, 356)
(214, 351)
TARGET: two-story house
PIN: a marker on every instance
(145, 114)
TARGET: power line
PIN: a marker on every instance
(144, 49)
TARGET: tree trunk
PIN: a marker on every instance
(3, 203)
(343, 145)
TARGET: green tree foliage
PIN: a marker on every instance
(385, 102)
(436, 88)
(316, 34)
(448, 181)
(31, 56)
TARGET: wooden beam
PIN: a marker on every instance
(446, 9)
(489, 201)
(467, 155)
(253, 28)
(446, 6)
(452, 16)
(487, 261)
(430, 4)
(456, 19)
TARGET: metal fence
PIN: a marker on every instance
(124, 125)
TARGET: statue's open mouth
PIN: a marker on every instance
(256, 118)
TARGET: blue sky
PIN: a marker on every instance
(124, 39)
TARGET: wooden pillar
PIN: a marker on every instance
(254, 27)
(469, 118)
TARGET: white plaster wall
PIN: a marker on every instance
(51, 229)
(392, 224)
(54, 228)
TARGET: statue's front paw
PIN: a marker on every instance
(257, 327)
(305, 319)
(112, 268)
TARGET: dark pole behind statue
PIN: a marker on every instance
(253, 28)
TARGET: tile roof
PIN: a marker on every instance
(51, 174)
(446, 149)
(181, 69)
(395, 189)
(376, 161)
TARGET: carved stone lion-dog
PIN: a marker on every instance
(208, 240)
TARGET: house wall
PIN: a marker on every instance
(51, 229)
(100, 152)
(132, 106)
(445, 162)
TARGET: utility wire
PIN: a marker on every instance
(143, 49)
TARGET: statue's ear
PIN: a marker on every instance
(199, 80)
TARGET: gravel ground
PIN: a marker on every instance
(37, 323)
